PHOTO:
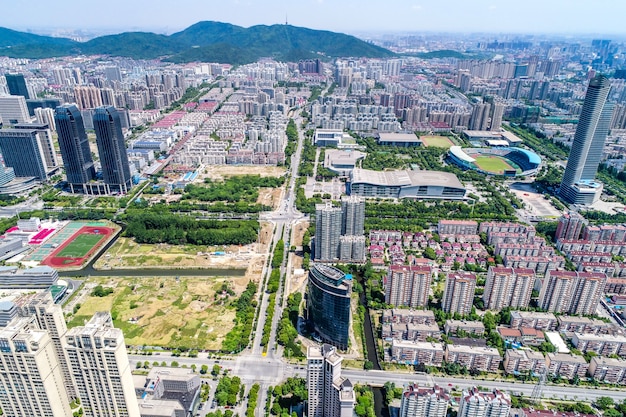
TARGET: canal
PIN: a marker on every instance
(370, 343)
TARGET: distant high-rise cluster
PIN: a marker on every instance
(330, 395)
(339, 231)
(579, 185)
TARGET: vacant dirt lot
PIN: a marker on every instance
(218, 172)
(191, 312)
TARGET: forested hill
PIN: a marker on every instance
(204, 41)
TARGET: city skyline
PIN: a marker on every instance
(482, 16)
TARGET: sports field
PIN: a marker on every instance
(492, 163)
(80, 245)
(437, 141)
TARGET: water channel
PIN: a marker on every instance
(370, 342)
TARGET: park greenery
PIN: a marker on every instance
(287, 326)
(282, 397)
(238, 338)
(364, 401)
(158, 227)
(238, 188)
(100, 291)
(227, 390)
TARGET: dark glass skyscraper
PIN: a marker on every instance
(17, 85)
(112, 149)
(21, 149)
(74, 147)
(329, 304)
(579, 185)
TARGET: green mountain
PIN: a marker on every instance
(203, 41)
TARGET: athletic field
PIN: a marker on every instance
(437, 141)
(491, 163)
(79, 247)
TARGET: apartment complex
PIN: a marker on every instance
(458, 295)
(508, 287)
(474, 403)
(330, 395)
(424, 402)
(408, 285)
(571, 292)
(100, 368)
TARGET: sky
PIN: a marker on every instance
(348, 16)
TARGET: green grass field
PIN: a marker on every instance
(492, 164)
(437, 141)
(80, 246)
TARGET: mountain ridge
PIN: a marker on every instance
(208, 41)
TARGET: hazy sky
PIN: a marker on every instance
(511, 16)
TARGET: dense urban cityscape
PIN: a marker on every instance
(280, 221)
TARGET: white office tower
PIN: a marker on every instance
(424, 402)
(484, 404)
(49, 317)
(31, 383)
(330, 395)
(100, 369)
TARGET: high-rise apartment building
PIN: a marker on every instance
(508, 287)
(87, 97)
(408, 285)
(328, 220)
(31, 380)
(474, 403)
(330, 395)
(112, 149)
(22, 150)
(579, 185)
(458, 295)
(328, 304)
(100, 368)
(74, 147)
(424, 402)
(49, 317)
(570, 226)
(497, 112)
(353, 215)
(45, 116)
(571, 292)
(17, 85)
(480, 116)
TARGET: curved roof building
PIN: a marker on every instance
(329, 304)
(406, 184)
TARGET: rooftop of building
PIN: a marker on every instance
(406, 178)
(474, 350)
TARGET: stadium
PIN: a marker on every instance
(509, 162)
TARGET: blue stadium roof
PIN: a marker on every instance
(533, 158)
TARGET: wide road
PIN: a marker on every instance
(268, 371)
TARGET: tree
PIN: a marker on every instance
(612, 412)
(604, 403)
(368, 365)
(174, 364)
(204, 369)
